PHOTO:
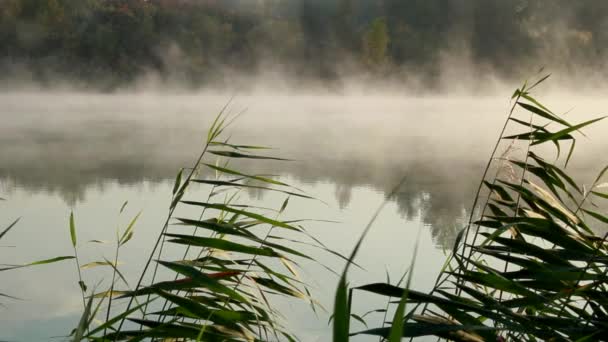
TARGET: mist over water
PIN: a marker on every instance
(89, 152)
(65, 143)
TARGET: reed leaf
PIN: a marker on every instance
(7, 229)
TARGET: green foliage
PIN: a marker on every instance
(92, 302)
(375, 42)
(113, 42)
(235, 258)
(530, 267)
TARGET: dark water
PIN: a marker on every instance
(90, 153)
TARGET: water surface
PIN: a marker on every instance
(89, 153)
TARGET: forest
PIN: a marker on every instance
(110, 43)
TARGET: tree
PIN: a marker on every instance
(375, 43)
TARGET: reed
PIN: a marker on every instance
(529, 267)
(235, 257)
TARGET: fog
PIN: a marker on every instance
(65, 143)
(102, 103)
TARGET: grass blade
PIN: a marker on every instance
(10, 226)
(72, 229)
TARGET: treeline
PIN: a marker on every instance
(199, 42)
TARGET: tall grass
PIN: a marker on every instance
(529, 267)
(93, 301)
(235, 258)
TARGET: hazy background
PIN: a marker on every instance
(338, 45)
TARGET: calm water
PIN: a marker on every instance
(90, 153)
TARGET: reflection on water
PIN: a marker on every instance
(65, 144)
(91, 152)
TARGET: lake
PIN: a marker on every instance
(89, 153)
